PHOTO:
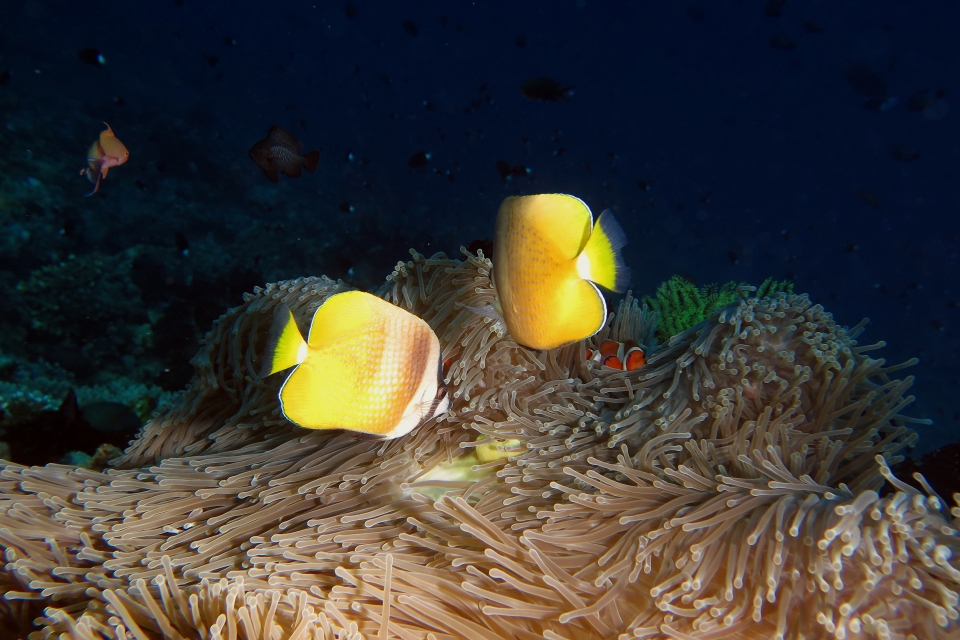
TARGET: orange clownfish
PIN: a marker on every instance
(618, 355)
(104, 153)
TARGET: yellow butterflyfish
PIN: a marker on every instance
(548, 257)
(366, 366)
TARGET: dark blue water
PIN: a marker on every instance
(821, 145)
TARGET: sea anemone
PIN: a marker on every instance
(738, 485)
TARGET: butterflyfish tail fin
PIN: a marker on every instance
(285, 346)
(601, 262)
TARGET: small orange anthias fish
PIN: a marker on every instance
(618, 355)
(104, 153)
(280, 151)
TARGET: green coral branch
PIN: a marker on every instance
(680, 304)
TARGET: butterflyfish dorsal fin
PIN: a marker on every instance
(341, 315)
(285, 345)
(561, 220)
(601, 261)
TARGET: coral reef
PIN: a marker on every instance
(33, 426)
(680, 304)
(730, 488)
(28, 389)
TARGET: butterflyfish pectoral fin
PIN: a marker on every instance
(600, 261)
(285, 345)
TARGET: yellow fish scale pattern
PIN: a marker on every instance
(538, 285)
(546, 303)
(372, 374)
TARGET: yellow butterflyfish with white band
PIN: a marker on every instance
(367, 366)
(548, 257)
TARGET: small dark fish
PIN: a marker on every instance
(92, 57)
(521, 41)
(503, 168)
(182, 245)
(419, 159)
(867, 83)
(4, 76)
(350, 11)
(410, 27)
(905, 154)
(230, 42)
(812, 27)
(924, 98)
(69, 409)
(782, 42)
(545, 89)
(646, 185)
(212, 60)
(869, 198)
(345, 206)
(110, 416)
(774, 8)
(280, 152)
